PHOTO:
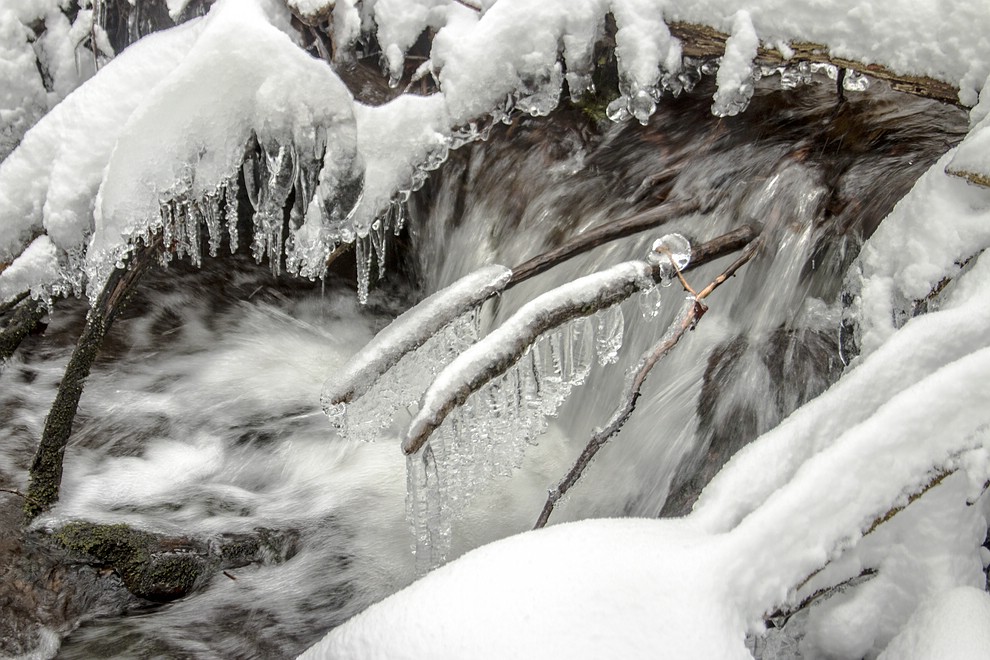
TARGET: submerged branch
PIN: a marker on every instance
(46, 469)
(690, 315)
(503, 348)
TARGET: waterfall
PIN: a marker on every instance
(204, 414)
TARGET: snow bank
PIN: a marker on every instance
(952, 625)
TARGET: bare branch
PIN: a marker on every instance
(780, 617)
(46, 469)
(469, 5)
(600, 235)
(693, 310)
(26, 313)
(938, 478)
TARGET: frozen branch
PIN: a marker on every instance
(503, 348)
(693, 310)
(705, 41)
(46, 469)
(600, 235)
(410, 331)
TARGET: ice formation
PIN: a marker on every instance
(491, 62)
(735, 72)
(393, 370)
(482, 411)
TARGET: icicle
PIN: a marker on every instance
(430, 522)
(650, 302)
(210, 212)
(608, 339)
(363, 260)
(230, 202)
(378, 234)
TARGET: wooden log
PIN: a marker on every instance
(705, 41)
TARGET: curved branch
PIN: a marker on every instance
(600, 235)
(503, 348)
(46, 469)
(690, 315)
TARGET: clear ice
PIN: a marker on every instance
(487, 437)
(670, 253)
(402, 386)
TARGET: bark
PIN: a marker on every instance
(25, 313)
(693, 312)
(601, 235)
(46, 469)
(704, 41)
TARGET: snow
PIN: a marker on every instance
(735, 86)
(411, 329)
(954, 625)
(164, 126)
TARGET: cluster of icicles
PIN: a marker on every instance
(640, 103)
(486, 437)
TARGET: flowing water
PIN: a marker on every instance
(203, 414)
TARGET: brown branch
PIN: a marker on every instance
(705, 41)
(600, 235)
(46, 469)
(469, 5)
(780, 617)
(939, 477)
(27, 313)
(692, 313)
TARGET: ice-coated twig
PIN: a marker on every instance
(25, 313)
(503, 348)
(693, 310)
(410, 331)
(600, 235)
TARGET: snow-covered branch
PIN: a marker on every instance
(686, 320)
(502, 349)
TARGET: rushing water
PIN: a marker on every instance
(203, 414)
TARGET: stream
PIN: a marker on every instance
(202, 415)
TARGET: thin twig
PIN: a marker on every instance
(600, 235)
(691, 314)
(14, 491)
(469, 5)
(780, 617)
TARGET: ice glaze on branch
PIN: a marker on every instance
(693, 310)
(411, 330)
(503, 348)
(705, 41)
